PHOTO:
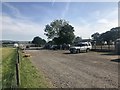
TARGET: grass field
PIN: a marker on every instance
(29, 76)
(8, 67)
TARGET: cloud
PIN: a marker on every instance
(85, 31)
(0, 28)
(65, 11)
(103, 21)
(53, 1)
(20, 29)
(82, 31)
(14, 11)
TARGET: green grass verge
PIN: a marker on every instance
(8, 67)
(30, 77)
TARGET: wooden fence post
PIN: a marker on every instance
(18, 56)
(108, 47)
(17, 69)
(101, 47)
(17, 74)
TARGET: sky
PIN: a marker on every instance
(25, 20)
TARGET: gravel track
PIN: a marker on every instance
(83, 70)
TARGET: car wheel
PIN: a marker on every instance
(87, 50)
(78, 51)
(71, 51)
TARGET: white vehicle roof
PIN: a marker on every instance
(84, 43)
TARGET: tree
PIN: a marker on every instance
(115, 33)
(60, 32)
(77, 40)
(53, 29)
(95, 36)
(108, 36)
(38, 41)
(105, 36)
(111, 35)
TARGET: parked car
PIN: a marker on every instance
(82, 46)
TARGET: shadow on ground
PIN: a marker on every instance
(73, 53)
(116, 60)
(102, 50)
(109, 53)
(106, 52)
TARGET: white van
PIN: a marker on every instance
(82, 46)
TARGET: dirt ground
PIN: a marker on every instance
(83, 70)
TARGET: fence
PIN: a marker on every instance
(17, 69)
(103, 47)
(11, 76)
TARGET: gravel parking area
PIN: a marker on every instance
(83, 70)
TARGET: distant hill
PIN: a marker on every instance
(12, 42)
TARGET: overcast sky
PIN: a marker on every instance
(25, 20)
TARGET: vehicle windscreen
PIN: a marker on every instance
(80, 45)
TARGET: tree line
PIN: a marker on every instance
(60, 32)
(108, 37)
